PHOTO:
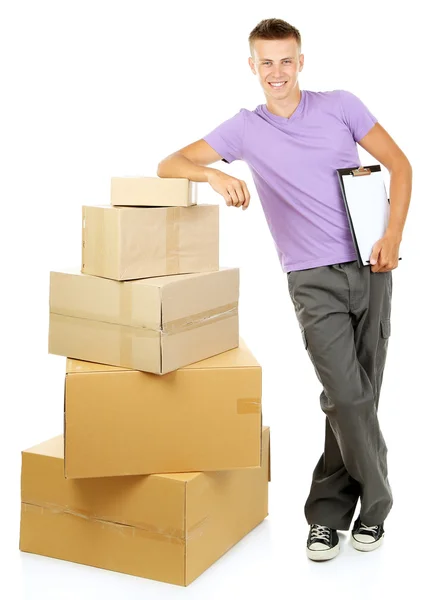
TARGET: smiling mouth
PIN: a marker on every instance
(277, 84)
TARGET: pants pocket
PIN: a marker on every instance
(385, 328)
(382, 349)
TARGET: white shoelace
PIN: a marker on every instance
(371, 528)
(321, 532)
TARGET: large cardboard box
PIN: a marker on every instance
(153, 191)
(157, 325)
(203, 417)
(164, 527)
(131, 243)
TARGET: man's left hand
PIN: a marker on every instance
(384, 256)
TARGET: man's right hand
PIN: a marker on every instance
(234, 191)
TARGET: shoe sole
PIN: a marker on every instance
(323, 554)
(363, 547)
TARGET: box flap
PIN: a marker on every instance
(52, 447)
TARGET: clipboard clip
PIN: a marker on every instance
(361, 171)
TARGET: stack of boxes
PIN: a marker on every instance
(163, 464)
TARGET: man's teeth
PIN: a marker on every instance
(277, 84)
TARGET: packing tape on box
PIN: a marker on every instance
(200, 319)
(172, 227)
(246, 406)
(170, 534)
(125, 314)
(129, 343)
(125, 347)
(125, 311)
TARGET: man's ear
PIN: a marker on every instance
(301, 62)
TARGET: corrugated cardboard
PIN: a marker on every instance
(203, 417)
(131, 243)
(153, 191)
(157, 325)
(168, 528)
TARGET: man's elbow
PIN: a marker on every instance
(167, 165)
(161, 167)
(400, 163)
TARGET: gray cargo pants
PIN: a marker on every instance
(344, 313)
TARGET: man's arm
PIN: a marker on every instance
(381, 145)
(190, 162)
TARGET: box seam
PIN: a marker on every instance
(61, 509)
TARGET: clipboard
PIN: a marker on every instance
(367, 207)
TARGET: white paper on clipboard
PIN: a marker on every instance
(368, 207)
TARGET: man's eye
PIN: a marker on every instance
(267, 63)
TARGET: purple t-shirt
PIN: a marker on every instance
(293, 163)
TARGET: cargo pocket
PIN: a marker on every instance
(385, 328)
(382, 349)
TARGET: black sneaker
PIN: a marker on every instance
(365, 537)
(323, 542)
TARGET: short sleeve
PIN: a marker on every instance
(356, 115)
(228, 138)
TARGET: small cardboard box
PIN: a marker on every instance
(153, 191)
(166, 527)
(157, 325)
(133, 243)
(203, 417)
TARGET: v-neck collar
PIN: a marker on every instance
(286, 120)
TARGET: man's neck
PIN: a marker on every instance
(286, 107)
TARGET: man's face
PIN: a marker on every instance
(277, 61)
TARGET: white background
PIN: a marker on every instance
(92, 90)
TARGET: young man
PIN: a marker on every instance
(293, 145)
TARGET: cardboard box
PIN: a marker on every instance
(203, 417)
(168, 528)
(157, 325)
(153, 191)
(132, 243)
